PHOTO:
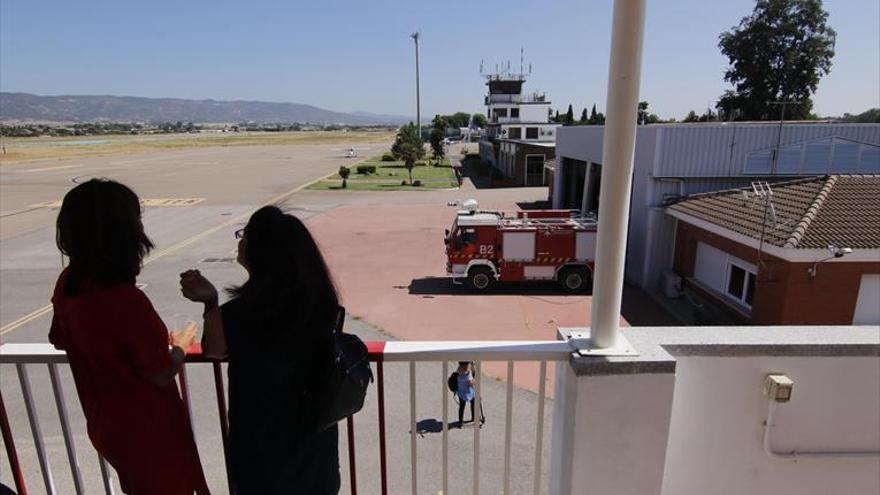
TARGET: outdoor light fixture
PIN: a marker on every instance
(777, 387)
(836, 252)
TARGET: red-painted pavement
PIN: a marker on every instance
(382, 257)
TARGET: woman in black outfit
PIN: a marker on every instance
(276, 331)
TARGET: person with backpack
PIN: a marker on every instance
(277, 331)
(464, 390)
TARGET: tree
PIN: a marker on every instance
(556, 118)
(457, 120)
(344, 173)
(691, 117)
(480, 120)
(408, 147)
(643, 113)
(584, 117)
(709, 116)
(438, 135)
(871, 115)
(778, 53)
(569, 116)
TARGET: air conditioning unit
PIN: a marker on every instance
(671, 284)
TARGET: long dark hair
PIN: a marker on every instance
(289, 285)
(99, 228)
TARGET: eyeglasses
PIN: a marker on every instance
(239, 234)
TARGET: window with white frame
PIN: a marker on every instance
(725, 274)
(740, 283)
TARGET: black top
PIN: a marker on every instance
(272, 449)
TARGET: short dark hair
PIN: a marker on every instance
(99, 228)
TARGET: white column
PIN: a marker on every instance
(617, 168)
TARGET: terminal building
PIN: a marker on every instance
(519, 137)
(674, 161)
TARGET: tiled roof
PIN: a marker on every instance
(812, 213)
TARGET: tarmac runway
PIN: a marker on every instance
(215, 191)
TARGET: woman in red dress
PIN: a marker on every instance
(118, 347)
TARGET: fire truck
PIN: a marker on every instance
(487, 247)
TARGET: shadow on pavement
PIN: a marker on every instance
(534, 205)
(430, 426)
(477, 173)
(443, 286)
(637, 307)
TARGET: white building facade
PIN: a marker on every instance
(514, 116)
(675, 160)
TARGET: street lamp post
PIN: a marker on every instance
(415, 37)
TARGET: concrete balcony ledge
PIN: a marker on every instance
(689, 413)
(658, 347)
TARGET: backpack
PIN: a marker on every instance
(452, 382)
(341, 391)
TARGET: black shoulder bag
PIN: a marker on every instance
(342, 389)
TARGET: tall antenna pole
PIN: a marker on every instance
(521, 59)
(779, 134)
(415, 37)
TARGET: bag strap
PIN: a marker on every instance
(340, 319)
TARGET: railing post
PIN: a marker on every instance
(617, 166)
(106, 475)
(184, 395)
(414, 478)
(224, 420)
(508, 427)
(65, 428)
(478, 397)
(352, 470)
(37, 433)
(445, 428)
(539, 434)
(11, 453)
(380, 392)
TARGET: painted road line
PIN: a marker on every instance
(171, 249)
(17, 212)
(48, 169)
(149, 202)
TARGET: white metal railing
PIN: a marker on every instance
(511, 352)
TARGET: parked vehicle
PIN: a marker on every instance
(487, 247)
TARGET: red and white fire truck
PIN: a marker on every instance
(485, 247)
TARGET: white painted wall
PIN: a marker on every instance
(717, 415)
(707, 157)
(709, 266)
(617, 438)
(868, 304)
(533, 113)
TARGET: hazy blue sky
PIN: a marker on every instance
(357, 55)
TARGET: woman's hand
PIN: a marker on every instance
(183, 338)
(197, 288)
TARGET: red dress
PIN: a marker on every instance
(115, 343)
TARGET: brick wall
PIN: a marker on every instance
(784, 292)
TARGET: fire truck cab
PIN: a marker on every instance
(486, 247)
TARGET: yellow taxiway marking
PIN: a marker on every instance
(171, 249)
(150, 202)
(49, 169)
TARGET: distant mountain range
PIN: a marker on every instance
(88, 108)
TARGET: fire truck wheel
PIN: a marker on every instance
(480, 278)
(574, 279)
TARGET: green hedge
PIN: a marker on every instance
(366, 169)
(388, 157)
